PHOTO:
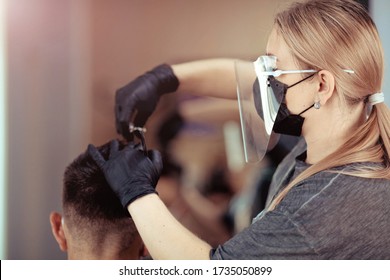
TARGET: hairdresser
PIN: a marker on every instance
(321, 79)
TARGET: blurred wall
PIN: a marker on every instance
(66, 58)
(48, 114)
(131, 37)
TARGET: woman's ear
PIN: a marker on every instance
(326, 86)
(57, 229)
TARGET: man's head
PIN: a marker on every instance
(94, 224)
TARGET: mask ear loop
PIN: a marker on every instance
(304, 79)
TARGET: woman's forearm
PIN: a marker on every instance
(162, 234)
(210, 77)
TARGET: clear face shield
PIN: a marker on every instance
(258, 106)
(259, 98)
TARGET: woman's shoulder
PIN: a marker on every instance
(345, 178)
(333, 186)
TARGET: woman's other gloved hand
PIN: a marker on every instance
(129, 172)
(141, 96)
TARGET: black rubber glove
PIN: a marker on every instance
(141, 95)
(129, 172)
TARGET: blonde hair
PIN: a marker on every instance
(336, 35)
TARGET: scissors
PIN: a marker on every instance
(139, 132)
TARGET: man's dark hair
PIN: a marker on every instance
(91, 208)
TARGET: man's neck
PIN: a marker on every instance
(103, 255)
(108, 249)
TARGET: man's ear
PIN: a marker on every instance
(58, 230)
(326, 86)
(143, 251)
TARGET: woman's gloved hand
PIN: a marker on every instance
(141, 95)
(129, 172)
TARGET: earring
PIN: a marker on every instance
(317, 102)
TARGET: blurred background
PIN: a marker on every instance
(60, 64)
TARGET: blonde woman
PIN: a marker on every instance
(329, 198)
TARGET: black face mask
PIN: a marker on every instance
(285, 122)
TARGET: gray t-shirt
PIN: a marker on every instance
(326, 216)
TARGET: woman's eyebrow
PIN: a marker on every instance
(271, 54)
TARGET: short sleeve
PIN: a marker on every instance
(273, 236)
